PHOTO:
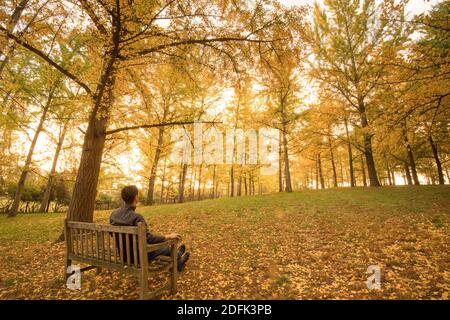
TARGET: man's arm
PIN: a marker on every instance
(156, 238)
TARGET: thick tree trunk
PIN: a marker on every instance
(154, 168)
(82, 202)
(23, 176)
(437, 160)
(48, 189)
(371, 169)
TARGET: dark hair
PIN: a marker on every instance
(129, 193)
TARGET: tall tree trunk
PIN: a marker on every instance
(389, 174)
(214, 187)
(199, 190)
(280, 169)
(168, 192)
(309, 177)
(193, 179)
(363, 170)
(182, 181)
(437, 160)
(411, 161)
(154, 168)
(317, 173)
(350, 157)
(341, 171)
(319, 166)
(287, 171)
(202, 191)
(217, 194)
(333, 165)
(245, 183)
(82, 202)
(23, 176)
(232, 181)
(239, 186)
(254, 185)
(163, 180)
(48, 189)
(408, 174)
(371, 169)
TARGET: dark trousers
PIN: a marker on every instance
(162, 252)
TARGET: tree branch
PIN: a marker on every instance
(194, 41)
(88, 8)
(155, 125)
(45, 57)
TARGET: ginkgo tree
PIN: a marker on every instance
(122, 35)
(349, 39)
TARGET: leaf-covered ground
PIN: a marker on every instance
(305, 245)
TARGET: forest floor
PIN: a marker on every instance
(313, 244)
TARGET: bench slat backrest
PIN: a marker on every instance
(106, 243)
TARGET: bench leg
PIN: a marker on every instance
(143, 285)
(143, 288)
(68, 263)
(174, 269)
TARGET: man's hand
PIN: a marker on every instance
(173, 236)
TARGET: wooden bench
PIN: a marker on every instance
(122, 249)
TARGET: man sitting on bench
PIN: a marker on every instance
(126, 216)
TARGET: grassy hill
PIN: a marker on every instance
(304, 245)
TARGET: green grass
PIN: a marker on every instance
(432, 200)
(311, 244)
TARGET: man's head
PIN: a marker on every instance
(130, 194)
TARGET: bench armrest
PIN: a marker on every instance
(161, 245)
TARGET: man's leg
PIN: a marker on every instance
(162, 252)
